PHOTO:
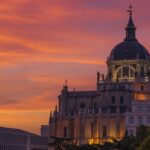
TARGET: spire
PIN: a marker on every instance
(51, 115)
(130, 29)
(65, 86)
(66, 83)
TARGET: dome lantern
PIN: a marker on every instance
(130, 29)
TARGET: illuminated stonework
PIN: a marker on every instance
(92, 117)
(142, 96)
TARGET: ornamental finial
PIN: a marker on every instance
(130, 11)
(66, 83)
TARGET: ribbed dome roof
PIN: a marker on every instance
(130, 48)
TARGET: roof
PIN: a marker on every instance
(129, 50)
(82, 93)
(16, 131)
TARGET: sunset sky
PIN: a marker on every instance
(45, 42)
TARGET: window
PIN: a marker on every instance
(122, 109)
(125, 72)
(142, 87)
(140, 120)
(130, 109)
(81, 130)
(121, 100)
(95, 107)
(139, 108)
(131, 120)
(148, 108)
(113, 100)
(104, 132)
(82, 105)
(148, 120)
(142, 71)
(113, 109)
(65, 131)
(92, 129)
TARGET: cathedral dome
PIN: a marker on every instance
(130, 48)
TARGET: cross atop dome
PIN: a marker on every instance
(130, 11)
(130, 29)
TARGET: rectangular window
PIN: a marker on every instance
(121, 100)
(148, 120)
(142, 87)
(81, 130)
(142, 71)
(113, 100)
(148, 108)
(139, 108)
(113, 109)
(92, 129)
(65, 131)
(140, 120)
(104, 132)
(131, 120)
(122, 109)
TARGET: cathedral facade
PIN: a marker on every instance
(92, 117)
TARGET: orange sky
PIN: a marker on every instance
(45, 42)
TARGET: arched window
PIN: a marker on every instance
(125, 72)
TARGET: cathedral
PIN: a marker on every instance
(93, 117)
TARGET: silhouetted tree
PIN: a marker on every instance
(145, 144)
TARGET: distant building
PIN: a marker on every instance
(45, 130)
(16, 139)
(92, 117)
(138, 115)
